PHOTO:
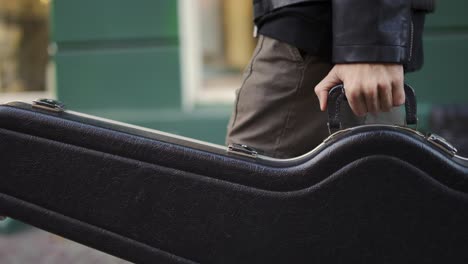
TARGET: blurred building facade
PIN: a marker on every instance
(126, 60)
(23, 45)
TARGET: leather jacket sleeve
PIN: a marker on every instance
(372, 31)
(424, 5)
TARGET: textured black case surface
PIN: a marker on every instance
(371, 195)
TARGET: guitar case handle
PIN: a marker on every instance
(337, 95)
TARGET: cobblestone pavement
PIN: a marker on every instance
(39, 247)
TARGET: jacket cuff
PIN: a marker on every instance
(424, 5)
(367, 53)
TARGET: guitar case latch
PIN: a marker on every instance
(242, 150)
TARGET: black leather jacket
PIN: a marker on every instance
(371, 30)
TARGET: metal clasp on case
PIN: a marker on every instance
(443, 144)
(242, 150)
(49, 105)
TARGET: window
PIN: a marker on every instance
(24, 60)
(216, 43)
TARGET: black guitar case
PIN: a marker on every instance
(370, 194)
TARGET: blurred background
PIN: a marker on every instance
(173, 66)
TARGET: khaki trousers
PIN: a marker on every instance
(276, 110)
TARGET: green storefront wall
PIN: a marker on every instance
(442, 80)
(120, 59)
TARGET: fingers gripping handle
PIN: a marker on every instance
(337, 95)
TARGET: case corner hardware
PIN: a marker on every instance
(49, 105)
(443, 144)
(242, 150)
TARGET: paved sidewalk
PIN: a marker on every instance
(39, 247)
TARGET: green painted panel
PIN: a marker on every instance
(449, 13)
(119, 78)
(442, 80)
(211, 130)
(85, 20)
(207, 124)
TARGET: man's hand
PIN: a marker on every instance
(369, 88)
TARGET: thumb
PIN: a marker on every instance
(322, 89)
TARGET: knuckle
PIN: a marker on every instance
(351, 86)
(399, 79)
(371, 92)
(369, 84)
(356, 110)
(383, 87)
(399, 99)
(353, 95)
(319, 86)
(317, 89)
